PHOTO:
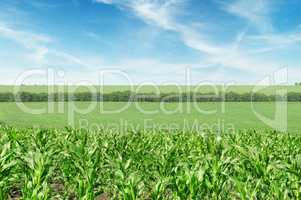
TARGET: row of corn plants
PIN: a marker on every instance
(78, 164)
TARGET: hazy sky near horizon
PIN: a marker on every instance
(220, 41)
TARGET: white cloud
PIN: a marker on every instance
(157, 12)
(28, 39)
(270, 42)
(104, 1)
(39, 55)
(257, 13)
(97, 38)
(35, 42)
(164, 15)
(40, 51)
(254, 11)
(239, 54)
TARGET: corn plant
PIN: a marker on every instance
(80, 164)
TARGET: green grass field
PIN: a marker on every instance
(238, 114)
(148, 89)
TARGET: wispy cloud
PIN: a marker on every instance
(31, 41)
(164, 15)
(28, 39)
(96, 37)
(240, 53)
(276, 40)
(104, 1)
(40, 50)
(157, 12)
(243, 50)
(256, 12)
(43, 5)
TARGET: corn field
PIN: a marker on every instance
(45, 164)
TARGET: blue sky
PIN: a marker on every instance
(221, 41)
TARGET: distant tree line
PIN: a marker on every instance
(147, 97)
